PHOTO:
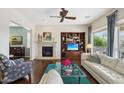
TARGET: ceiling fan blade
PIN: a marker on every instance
(72, 18)
(62, 19)
(62, 15)
(56, 16)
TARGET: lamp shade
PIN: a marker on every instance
(89, 46)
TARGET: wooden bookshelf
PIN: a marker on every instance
(72, 37)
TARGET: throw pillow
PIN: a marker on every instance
(108, 61)
(120, 66)
(5, 60)
(94, 58)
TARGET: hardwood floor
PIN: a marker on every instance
(92, 80)
(22, 81)
(38, 69)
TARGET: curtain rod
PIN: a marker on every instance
(112, 13)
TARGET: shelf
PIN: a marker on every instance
(45, 43)
(47, 58)
(72, 37)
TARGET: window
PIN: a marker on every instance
(100, 42)
(121, 43)
(28, 39)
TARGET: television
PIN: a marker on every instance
(72, 46)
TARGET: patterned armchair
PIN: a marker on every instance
(12, 70)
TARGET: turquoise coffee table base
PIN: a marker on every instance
(75, 80)
(71, 79)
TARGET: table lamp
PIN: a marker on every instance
(88, 47)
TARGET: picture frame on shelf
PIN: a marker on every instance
(47, 36)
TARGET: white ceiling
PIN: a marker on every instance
(42, 15)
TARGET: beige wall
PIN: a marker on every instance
(5, 16)
(102, 21)
(56, 31)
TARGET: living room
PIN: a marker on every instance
(47, 32)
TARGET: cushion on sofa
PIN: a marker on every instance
(109, 61)
(108, 75)
(110, 70)
(101, 55)
(120, 66)
(94, 58)
(54, 77)
(84, 56)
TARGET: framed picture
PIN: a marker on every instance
(47, 36)
(16, 40)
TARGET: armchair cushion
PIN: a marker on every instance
(16, 71)
(20, 59)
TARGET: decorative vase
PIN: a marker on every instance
(39, 37)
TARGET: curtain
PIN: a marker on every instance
(89, 34)
(110, 32)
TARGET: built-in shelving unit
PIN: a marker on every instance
(77, 38)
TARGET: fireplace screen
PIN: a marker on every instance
(47, 51)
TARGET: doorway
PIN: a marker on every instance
(19, 41)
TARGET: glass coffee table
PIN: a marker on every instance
(71, 74)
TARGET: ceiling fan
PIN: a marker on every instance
(63, 14)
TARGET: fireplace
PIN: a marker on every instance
(47, 51)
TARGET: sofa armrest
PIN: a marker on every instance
(53, 77)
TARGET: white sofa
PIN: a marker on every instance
(52, 77)
(109, 71)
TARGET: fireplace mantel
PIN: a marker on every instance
(46, 43)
